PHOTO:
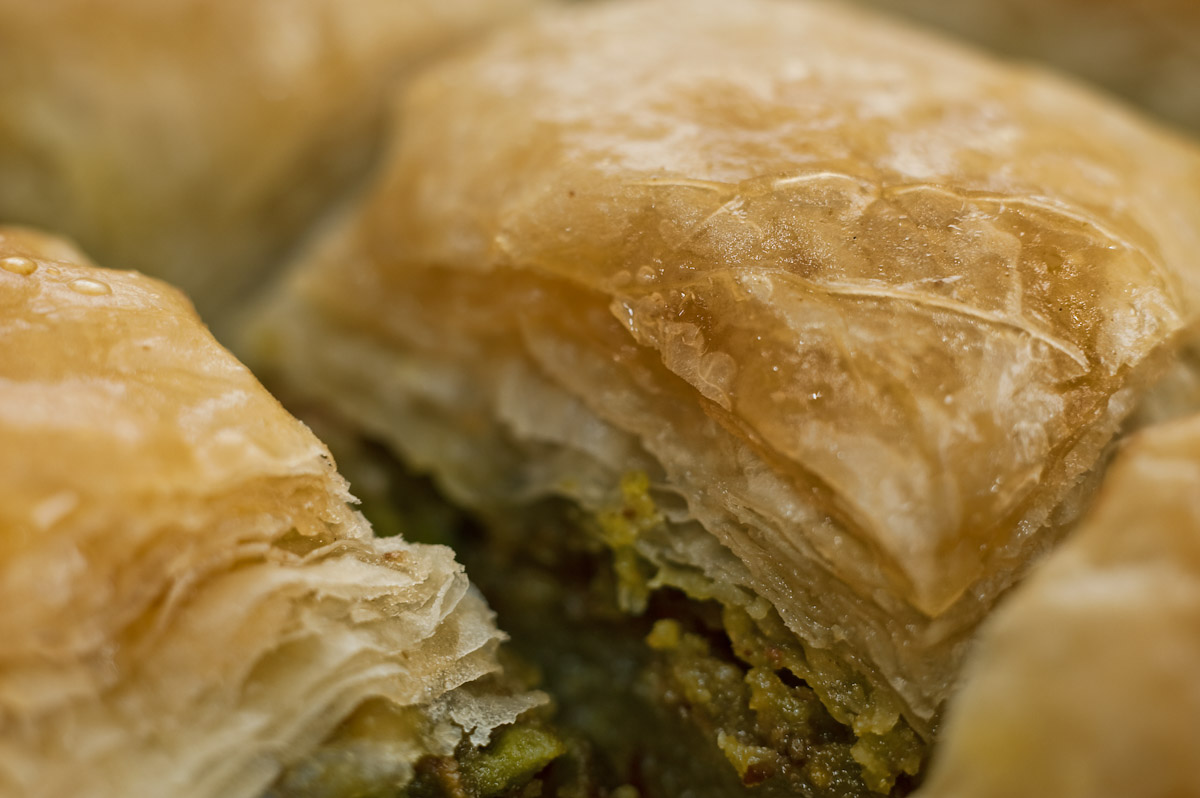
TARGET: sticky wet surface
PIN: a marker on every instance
(18, 265)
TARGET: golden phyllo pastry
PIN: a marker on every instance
(197, 140)
(1085, 682)
(187, 602)
(800, 312)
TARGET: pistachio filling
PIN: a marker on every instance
(371, 755)
(505, 769)
(786, 711)
(630, 646)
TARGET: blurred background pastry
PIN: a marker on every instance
(1085, 683)
(198, 140)
(1146, 51)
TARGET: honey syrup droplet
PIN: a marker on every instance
(90, 287)
(18, 265)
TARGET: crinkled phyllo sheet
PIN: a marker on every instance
(189, 603)
(867, 309)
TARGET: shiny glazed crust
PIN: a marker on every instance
(189, 602)
(867, 307)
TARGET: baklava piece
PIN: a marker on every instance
(189, 605)
(767, 342)
(1085, 683)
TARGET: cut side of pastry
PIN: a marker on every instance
(1085, 682)
(198, 140)
(190, 605)
(777, 334)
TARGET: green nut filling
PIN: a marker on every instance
(369, 756)
(506, 768)
(512, 760)
(885, 746)
(626, 655)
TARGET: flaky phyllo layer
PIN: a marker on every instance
(868, 310)
(189, 603)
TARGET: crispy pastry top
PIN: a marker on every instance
(908, 277)
(189, 602)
